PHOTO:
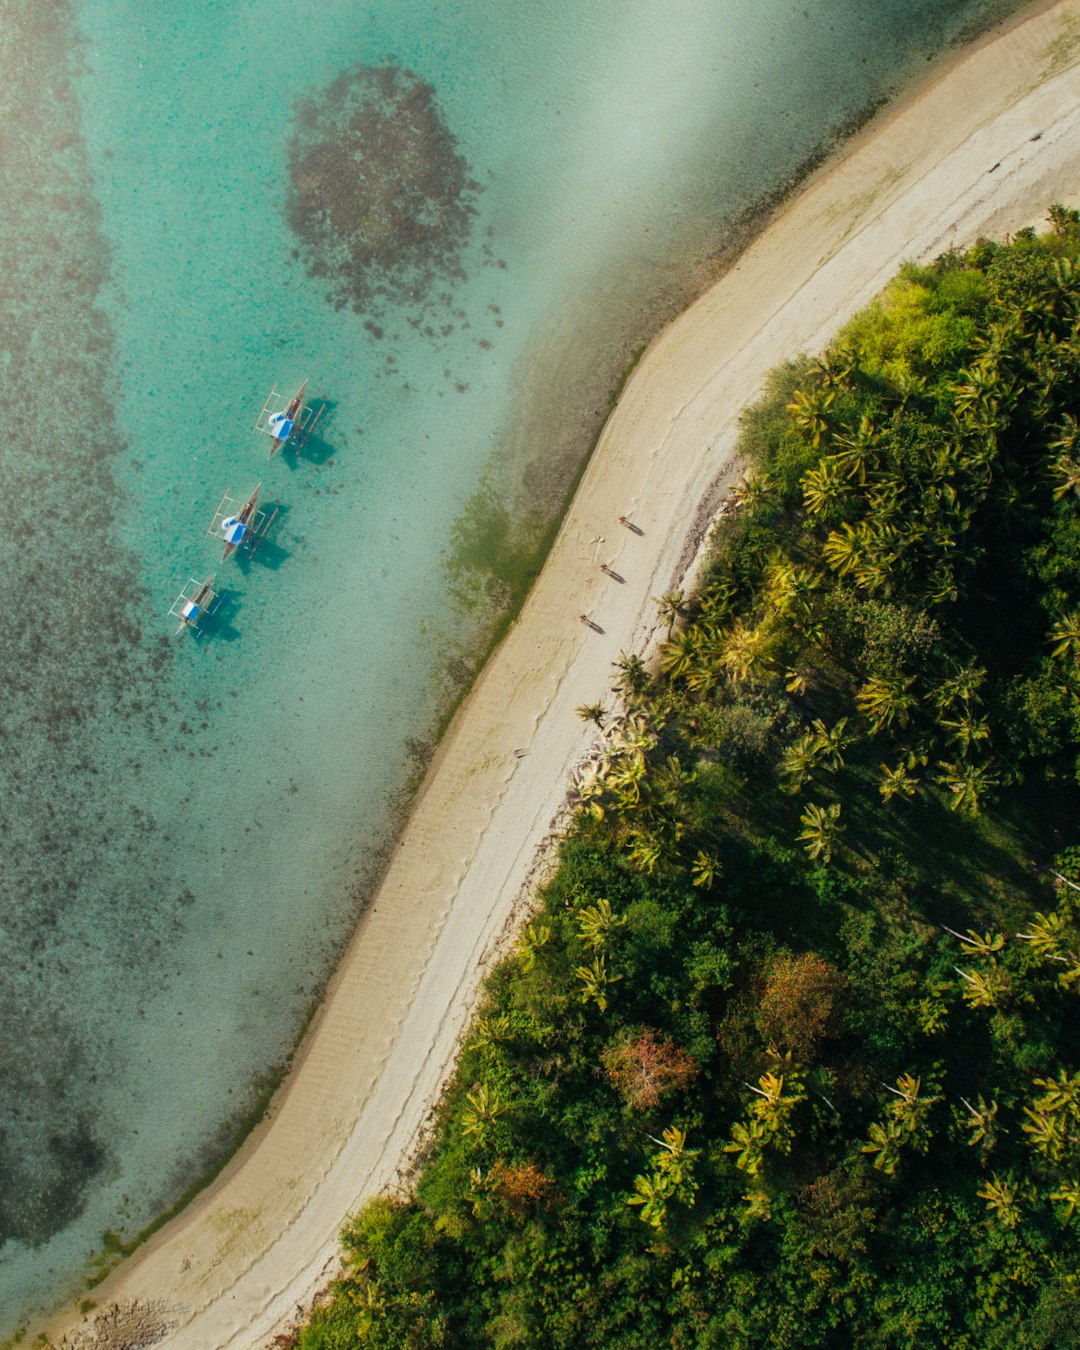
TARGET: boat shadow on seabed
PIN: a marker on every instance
(270, 554)
(315, 448)
(219, 625)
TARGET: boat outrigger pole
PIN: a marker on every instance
(288, 424)
(196, 601)
(240, 525)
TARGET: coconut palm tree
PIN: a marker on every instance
(679, 655)
(589, 788)
(744, 649)
(625, 778)
(824, 486)
(592, 712)
(670, 1178)
(633, 678)
(897, 782)
(1065, 635)
(754, 490)
(834, 369)
(905, 1124)
(596, 980)
(704, 675)
(976, 390)
(884, 1145)
(748, 1140)
(961, 687)
(980, 944)
(873, 574)
(773, 1106)
(830, 742)
(886, 500)
(651, 1193)
(982, 1124)
(366, 1306)
(1048, 936)
(857, 449)
(911, 1105)
(1046, 1133)
(484, 1108)
(487, 1032)
(1068, 1196)
(637, 735)
(965, 730)
(1001, 1196)
(534, 936)
(1068, 436)
(989, 987)
(821, 828)
(704, 869)
(798, 762)
(645, 852)
(804, 581)
(809, 409)
(941, 586)
(672, 781)
(886, 699)
(1061, 1096)
(674, 1154)
(779, 583)
(796, 681)
(671, 607)
(596, 922)
(845, 549)
(969, 785)
(715, 603)
(1065, 472)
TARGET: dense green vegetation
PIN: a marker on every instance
(789, 1054)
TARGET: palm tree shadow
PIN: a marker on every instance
(317, 449)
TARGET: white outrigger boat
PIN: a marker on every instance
(288, 424)
(196, 601)
(240, 525)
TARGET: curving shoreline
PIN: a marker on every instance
(957, 159)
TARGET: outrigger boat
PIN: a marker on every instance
(240, 526)
(288, 425)
(196, 600)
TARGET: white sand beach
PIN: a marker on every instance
(982, 148)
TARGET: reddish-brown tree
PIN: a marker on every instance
(521, 1185)
(646, 1066)
(797, 1008)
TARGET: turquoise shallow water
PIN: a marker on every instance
(188, 826)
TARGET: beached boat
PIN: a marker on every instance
(196, 601)
(290, 424)
(240, 525)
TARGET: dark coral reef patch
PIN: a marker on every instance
(380, 198)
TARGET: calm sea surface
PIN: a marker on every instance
(456, 220)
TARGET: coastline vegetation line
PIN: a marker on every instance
(789, 1055)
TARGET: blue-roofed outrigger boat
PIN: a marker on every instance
(240, 525)
(196, 601)
(288, 425)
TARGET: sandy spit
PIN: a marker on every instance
(981, 149)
